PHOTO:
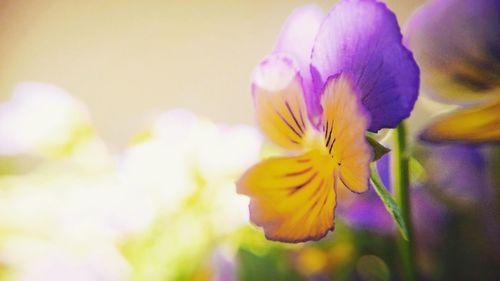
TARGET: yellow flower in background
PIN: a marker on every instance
(294, 197)
(457, 45)
(471, 125)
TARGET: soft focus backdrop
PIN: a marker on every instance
(130, 59)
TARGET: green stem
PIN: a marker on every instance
(389, 202)
(401, 184)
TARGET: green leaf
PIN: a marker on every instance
(389, 202)
(378, 149)
(417, 171)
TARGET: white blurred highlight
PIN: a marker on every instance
(67, 218)
(38, 116)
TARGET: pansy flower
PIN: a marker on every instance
(457, 43)
(328, 80)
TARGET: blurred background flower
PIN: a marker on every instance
(457, 44)
(41, 119)
(174, 183)
(102, 177)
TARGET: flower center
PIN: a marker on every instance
(316, 140)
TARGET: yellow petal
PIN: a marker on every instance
(345, 122)
(471, 125)
(292, 198)
(279, 101)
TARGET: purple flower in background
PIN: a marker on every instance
(361, 39)
(454, 172)
(224, 266)
(369, 212)
(428, 217)
(458, 172)
(457, 44)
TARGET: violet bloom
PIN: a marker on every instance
(457, 172)
(328, 80)
(457, 43)
(358, 38)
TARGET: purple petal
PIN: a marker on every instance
(384, 170)
(296, 39)
(298, 33)
(457, 43)
(363, 39)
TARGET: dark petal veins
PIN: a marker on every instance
(362, 39)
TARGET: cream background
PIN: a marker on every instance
(128, 60)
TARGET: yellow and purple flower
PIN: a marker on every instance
(328, 81)
(457, 43)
